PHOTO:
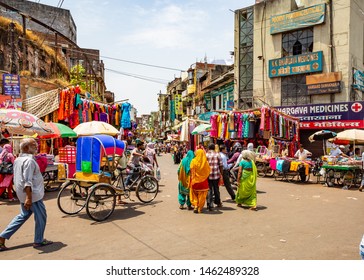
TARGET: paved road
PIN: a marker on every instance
(294, 221)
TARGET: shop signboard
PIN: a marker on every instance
(206, 116)
(230, 105)
(296, 64)
(7, 102)
(178, 104)
(11, 85)
(172, 112)
(342, 115)
(323, 88)
(358, 80)
(298, 19)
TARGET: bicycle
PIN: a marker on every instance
(101, 201)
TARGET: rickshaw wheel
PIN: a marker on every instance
(330, 178)
(71, 198)
(147, 189)
(100, 202)
(261, 168)
(291, 177)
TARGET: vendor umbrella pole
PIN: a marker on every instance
(324, 144)
(51, 150)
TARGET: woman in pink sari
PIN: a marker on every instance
(6, 180)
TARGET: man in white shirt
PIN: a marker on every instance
(302, 154)
(338, 151)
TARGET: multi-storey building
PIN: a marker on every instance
(56, 29)
(305, 58)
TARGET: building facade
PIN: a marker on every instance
(56, 29)
(305, 58)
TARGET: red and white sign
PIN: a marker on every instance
(332, 124)
(339, 115)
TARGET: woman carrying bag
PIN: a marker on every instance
(6, 180)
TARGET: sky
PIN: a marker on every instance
(167, 33)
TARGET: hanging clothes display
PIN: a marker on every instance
(259, 125)
(125, 118)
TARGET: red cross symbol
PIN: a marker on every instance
(356, 107)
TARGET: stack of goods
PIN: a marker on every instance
(67, 155)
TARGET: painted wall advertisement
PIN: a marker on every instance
(11, 85)
(298, 19)
(344, 115)
(296, 64)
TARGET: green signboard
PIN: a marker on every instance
(358, 80)
(298, 19)
(296, 64)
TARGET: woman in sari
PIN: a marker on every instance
(247, 178)
(200, 171)
(184, 181)
(6, 180)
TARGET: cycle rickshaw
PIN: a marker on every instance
(96, 185)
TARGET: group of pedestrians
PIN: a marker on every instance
(199, 174)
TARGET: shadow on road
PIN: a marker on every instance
(56, 246)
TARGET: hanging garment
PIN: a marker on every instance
(246, 126)
(262, 118)
(72, 100)
(252, 122)
(231, 122)
(240, 125)
(125, 118)
(117, 115)
(61, 108)
(67, 102)
(213, 122)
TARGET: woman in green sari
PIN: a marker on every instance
(184, 181)
(247, 178)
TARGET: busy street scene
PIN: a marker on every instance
(255, 157)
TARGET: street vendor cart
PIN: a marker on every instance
(343, 175)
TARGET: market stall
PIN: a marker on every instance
(342, 171)
(265, 127)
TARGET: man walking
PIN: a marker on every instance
(215, 162)
(226, 171)
(29, 187)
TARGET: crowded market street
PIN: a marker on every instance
(302, 221)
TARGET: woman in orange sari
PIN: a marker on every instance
(200, 171)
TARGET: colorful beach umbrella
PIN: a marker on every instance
(201, 129)
(60, 131)
(23, 123)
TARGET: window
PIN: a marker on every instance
(297, 42)
(294, 90)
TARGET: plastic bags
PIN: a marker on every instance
(158, 174)
(6, 168)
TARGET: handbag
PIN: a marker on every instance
(6, 168)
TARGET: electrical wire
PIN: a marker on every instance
(145, 78)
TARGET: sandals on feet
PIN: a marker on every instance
(3, 247)
(45, 242)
